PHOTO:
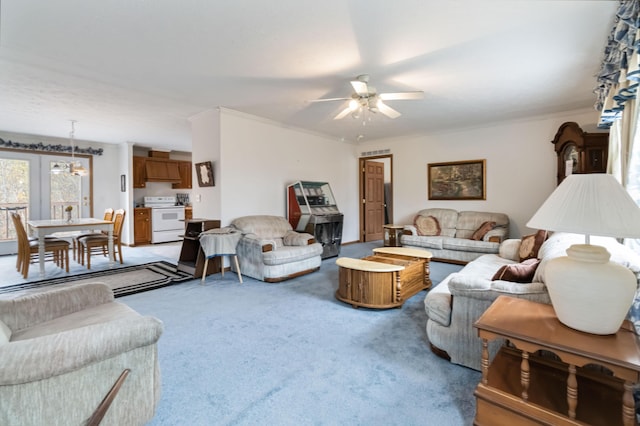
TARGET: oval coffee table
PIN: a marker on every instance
(384, 280)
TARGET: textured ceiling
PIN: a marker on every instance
(136, 70)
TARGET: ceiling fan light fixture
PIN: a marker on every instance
(354, 105)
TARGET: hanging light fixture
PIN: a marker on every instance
(75, 169)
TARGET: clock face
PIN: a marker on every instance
(571, 154)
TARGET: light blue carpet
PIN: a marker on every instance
(291, 354)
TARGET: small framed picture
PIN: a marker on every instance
(204, 171)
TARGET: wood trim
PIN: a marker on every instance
(286, 277)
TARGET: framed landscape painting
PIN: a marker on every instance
(457, 180)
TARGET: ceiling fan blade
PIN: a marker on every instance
(387, 110)
(329, 99)
(343, 113)
(401, 96)
(360, 87)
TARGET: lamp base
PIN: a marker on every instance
(588, 292)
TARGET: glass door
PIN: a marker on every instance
(28, 187)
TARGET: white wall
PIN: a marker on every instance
(520, 159)
(259, 158)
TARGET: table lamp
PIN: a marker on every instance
(588, 292)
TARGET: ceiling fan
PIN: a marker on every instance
(367, 98)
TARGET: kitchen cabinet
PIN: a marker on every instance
(161, 170)
(184, 169)
(141, 226)
(188, 213)
(139, 174)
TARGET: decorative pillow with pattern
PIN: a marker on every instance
(427, 225)
(530, 245)
(517, 272)
(482, 230)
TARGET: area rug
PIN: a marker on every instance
(123, 281)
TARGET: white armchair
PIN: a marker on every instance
(270, 250)
(62, 351)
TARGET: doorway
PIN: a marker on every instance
(376, 193)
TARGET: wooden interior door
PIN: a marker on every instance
(373, 200)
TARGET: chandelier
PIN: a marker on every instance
(73, 168)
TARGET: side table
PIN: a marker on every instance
(220, 242)
(522, 386)
(392, 235)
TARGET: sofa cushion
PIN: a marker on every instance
(418, 241)
(482, 230)
(288, 254)
(470, 221)
(530, 245)
(518, 272)
(427, 225)
(5, 333)
(92, 315)
(461, 244)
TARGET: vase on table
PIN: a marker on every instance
(68, 216)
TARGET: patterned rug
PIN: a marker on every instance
(123, 281)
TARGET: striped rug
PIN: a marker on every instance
(123, 281)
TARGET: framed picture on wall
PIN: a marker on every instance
(204, 171)
(457, 180)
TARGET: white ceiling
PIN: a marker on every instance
(136, 70)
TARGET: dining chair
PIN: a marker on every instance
(108, 215)
(98, 243)
(56, 250)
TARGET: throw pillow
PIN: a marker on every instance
(482, 230)
(517, 272)
(5, 333)
(427, 225)
(530, 245)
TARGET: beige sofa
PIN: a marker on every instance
(61, 351)
(458, 301)
(453, 232)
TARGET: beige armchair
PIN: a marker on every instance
(270, 250)
(63, 351)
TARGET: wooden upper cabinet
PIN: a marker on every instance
(579, 151)
(184, 168)
(162, 170)
(139, 173)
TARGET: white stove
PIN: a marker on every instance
(167, 219)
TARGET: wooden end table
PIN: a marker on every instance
(392, 234)
(525, 387)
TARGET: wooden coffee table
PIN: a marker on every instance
(384, 280)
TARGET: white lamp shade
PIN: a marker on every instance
(589, 204)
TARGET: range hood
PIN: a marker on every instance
(161, 170)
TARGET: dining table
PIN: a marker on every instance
(43, 227)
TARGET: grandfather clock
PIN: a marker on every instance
(579, 151)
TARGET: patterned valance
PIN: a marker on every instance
(620, 71)
(49, 148)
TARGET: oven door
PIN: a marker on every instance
(167, 224)
(167, 219)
